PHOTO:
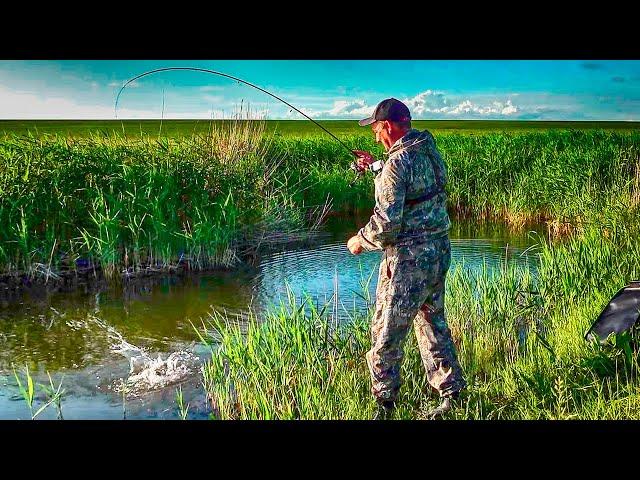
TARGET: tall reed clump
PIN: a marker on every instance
(127, 204)
(524, 177)
(294, 364)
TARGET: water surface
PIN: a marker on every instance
(72, 335)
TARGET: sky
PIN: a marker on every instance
(322, 89)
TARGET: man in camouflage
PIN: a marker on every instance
(411, 225)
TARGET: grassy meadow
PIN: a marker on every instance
(290, 128)
(202, 199)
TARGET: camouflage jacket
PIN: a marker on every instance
(414, 169)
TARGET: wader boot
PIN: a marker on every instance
(385, 410)
(447, 404)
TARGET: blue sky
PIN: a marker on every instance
(324, 89)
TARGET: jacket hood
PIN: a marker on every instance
(413, 139)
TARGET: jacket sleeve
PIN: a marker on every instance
(386, 222)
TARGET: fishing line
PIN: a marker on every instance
(213, 72)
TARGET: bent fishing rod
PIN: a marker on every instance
(214, 72)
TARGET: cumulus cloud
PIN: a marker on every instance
(350, 108)
(432, 102)
(429, 104)
(341, 109)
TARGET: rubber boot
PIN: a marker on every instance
(385, 410)
(446, 404)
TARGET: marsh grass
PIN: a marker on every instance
(184, 410)
(127, 204)
(295, 364)
(152, 203)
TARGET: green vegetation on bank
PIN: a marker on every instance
(126, 204)
(134, 204)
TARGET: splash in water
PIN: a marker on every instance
(147, 373)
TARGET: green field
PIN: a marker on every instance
(176, 128)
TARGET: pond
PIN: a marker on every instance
(85, 339)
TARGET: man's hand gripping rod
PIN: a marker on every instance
(363, 163)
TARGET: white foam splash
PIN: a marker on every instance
(145, 372)
(149, 374)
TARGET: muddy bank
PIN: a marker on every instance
(88, 277)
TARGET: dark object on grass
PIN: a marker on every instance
(620, 314)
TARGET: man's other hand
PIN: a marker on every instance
(354, 245)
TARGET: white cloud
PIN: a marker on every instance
(350, 108)
(427, 104)
(341, 109)
(427, 101)
(432, 102)
(15, 104)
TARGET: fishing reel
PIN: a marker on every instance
(374, 167)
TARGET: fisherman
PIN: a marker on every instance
(411, 225)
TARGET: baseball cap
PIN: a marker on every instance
(389, 109)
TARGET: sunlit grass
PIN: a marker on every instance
(128, 204)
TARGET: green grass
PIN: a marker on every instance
(296, 128)
(129, 204)
(28, 391)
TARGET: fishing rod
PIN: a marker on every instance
(214, 72)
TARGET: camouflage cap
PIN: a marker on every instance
(389, 109)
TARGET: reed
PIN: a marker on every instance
(130, 204)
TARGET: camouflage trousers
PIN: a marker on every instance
(411, 289)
